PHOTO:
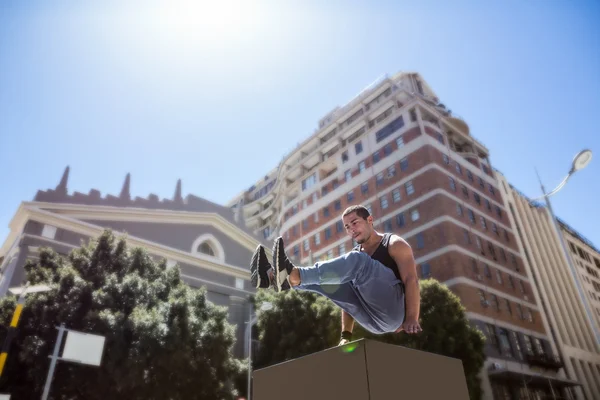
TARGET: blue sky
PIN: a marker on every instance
(217, 93)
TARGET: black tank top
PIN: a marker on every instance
(382, 254)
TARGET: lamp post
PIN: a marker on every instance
(253, 318)
(22, 292)
(580, 161)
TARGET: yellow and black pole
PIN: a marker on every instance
(12, 329)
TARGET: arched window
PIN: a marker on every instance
(207, 245)
(206, 248)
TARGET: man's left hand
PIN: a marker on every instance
(410, 326)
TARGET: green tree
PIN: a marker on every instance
(302, 323)
(164, 340)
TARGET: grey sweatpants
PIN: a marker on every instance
(363, 287)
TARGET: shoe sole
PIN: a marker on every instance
(254, 273)
(281, 275)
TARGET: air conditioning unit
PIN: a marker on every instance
(496, 365)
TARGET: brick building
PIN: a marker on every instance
(397, 150)
(210, 245)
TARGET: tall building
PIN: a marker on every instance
(211, 246)
(397, 150)
(563, 294)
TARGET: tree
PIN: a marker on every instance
(164, 340)
(302, 323)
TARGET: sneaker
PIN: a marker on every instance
(259, 268)
(281, 265)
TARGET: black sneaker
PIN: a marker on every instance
(259, 268)
(281, 265)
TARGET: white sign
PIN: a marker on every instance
(4, 396)
(84, 348)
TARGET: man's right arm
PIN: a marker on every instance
(347, 326)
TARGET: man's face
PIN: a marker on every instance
(358, 228)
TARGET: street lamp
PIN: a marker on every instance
(253, 318)
(22, 292)
(580, 161)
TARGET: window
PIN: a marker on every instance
(505, 347)
(239, 283)
(420, 241)
(389, 129)
(400, 141)
(499, 212)
(306, 245)
(339, 226)
(387, 149)
(471, 215)
(495, 228)
(414, 215)
(404, 164)
(206, 248)
(511, 282)
(494, 302)
(446, 159)
(384, 203)
(358, 147)
(342, 249)
(458, 168)
(465, 191)
(330, 254)
(400, 220)
(364, 188)
(350, 197)
(361, 166)
(482, 298)
(328, 233)
(396, 196)
(452, 184)
(459, 210)
(348, 175)
(440, 138)
(413, 115)
(379, 179)
(477, 198)
(391, 171)
(486, 271)
(483, 224)
(481, 184)
(376, 157)
(49, 231)
(469, 175)
(490, 330)
(309, 182)
(345, 156)
(337, 205)
(516, 341)
(409, 188)
(317, 238)
(326, 212)
(467, 236)
(488, 205)
(503, 254)
(425, 270)
(499, 276)
(387, 225)
(492, 191)
(368, 207)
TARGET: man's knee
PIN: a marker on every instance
(356, 257)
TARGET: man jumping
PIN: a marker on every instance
(374, 284)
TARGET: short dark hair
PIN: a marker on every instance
(360, 210)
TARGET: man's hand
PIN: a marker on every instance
(410, 326)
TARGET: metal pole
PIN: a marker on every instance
(54, 357)
(251, 321)
(570, 262)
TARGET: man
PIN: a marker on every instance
(374, 284)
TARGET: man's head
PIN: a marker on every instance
(358, 223)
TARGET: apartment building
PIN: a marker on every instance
(211, 247)
(562, 293)
(399, 151)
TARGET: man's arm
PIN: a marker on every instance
(347, 325)
(402, 253)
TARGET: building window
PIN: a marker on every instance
(317, 238)
(339, 226)
(361, 166)
(387, 149)
(344, 156)
(49, 231)
(499, 276)
(348, 175)
(516, 342)
(364, 188)
(488, 205)
(505, 347)
(494, 302)
(389, 129)
(342, 249)
(458, 168)
(409, 188)
(400, 141)
(396, 196)
(387, 225)
(471, 215)
(379, 179)
(306, 245)
(328, 233)
(376, 157)
(446, 159)
(404, 164)
(309, 182)
(413, 115)
(495, 228)
(490, 329)
(425, 270)
(368, 207)
(414, 215)
(239, 283)
(452, 184)
(469, 175)
(467, 236)
(350, 197)
(400, 220)
(420, 241)
(326, 212)
(483, 224)
(206, 248)
(440, 138)
(477, 198)
(337, 205)
(330, 254)
(459, 210)
(507, 305)
(384, 203)
(358, 147)
(391, 171)
(465, 191)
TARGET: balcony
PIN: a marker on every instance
(544, 361)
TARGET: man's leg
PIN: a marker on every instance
(380, 293)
